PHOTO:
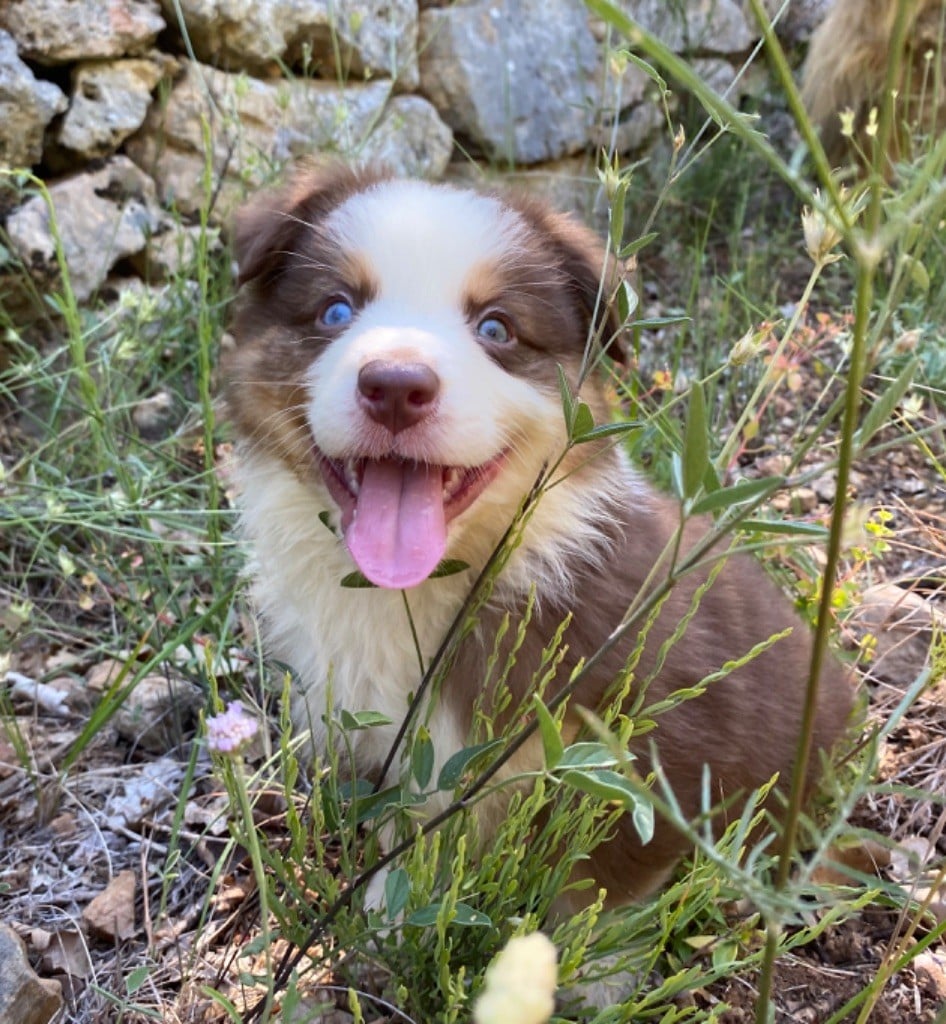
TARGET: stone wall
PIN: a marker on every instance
(138, 113)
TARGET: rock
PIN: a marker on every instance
(256, 126)
(698, 26)
(109, 103)
(513, 78)
(24, 997)
(903, 624)
(156, 416)
(157, 712)
(930, 970)
(174, 251)
(364, 37)
(27, 105)
(110, 916)
(58, 31)
(410, 140)
(102, 217)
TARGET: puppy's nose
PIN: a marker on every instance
(397, 395)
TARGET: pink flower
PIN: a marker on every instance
(231, 730)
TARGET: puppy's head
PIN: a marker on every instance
(397, 345)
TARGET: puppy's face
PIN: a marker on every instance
(397, 348)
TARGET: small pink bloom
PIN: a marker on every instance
(231, 730)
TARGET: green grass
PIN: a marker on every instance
(124, 545)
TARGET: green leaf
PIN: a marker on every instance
(457, 765)
(397, 890)
(880, 411)
(695, 451)
(425, 917)
(552, 745)
(352, 721)
(604, 784)
(325, 518)
(449, 567)
(662, 321)
(643, 818)
(626, 301)
(583, 420)
(356, 581)
(917, 271)
(568, 403)
(737, 494)
(781, 526)
(422, 757)
(586, 754)
(649, 71)
(635, 247)
(136, 978)
(463, 914)
(606, 430)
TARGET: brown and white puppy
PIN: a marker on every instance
(397, 345)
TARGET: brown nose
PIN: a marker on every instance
(397, 395)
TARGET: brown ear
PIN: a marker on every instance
(592, 274)
(596, 277)
(266, 231)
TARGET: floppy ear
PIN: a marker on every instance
(266, 231)
(592, 274)
(595, 276)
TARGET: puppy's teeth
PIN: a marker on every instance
(451, 480)
(351, 476)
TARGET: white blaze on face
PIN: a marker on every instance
(422, 246)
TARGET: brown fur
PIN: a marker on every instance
(745, 728)
(846, 69)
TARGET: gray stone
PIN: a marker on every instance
(58, 31)
(698, 26)
(903, 624)
(515, 79)
(255, 127)
(410, 140)
(330, 37)
(102, 216)
(157, 712)
(27, 105)
(109, 103)
(24, 997)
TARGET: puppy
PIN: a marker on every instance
(396, 366)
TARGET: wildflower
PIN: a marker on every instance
(871, 127)
(680, 136)
(747, 347)
(820, 236)
(520, 983)
(228, 732)
(847, 122)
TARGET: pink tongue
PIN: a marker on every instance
(398, 533)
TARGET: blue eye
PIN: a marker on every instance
(495, 330)
(338, 313)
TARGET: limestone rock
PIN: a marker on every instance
(363, 36)
(24, 997)
(411, 140)
(27, 105)
(255, 127)
(109, 103)
(57, 31)
(102, 217)
(698, 26)
(157, 712)
(513, 78)
(903, 624)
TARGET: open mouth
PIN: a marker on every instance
(395, 511)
